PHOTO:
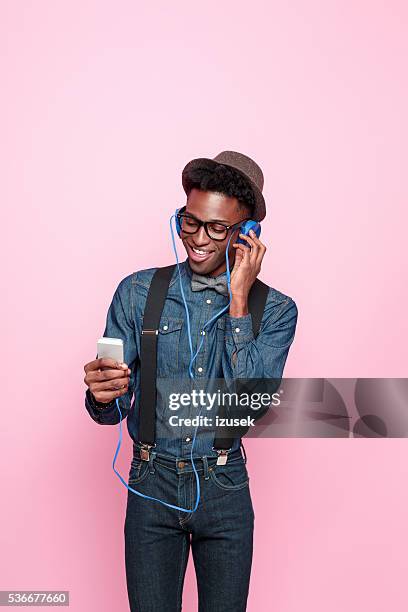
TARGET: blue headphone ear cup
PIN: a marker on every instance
(245, 227)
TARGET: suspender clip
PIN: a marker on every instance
(222, 456)
(145, 451)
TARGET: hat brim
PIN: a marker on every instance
(259, 212)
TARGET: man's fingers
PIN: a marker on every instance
(101, 375)
(107, 396)
(248, 239)
(96, 364)
(255, 237)
(254, 255)
(260, 258)
(104, 362)
(241, 248)
(261, 253)
(253, 251)
(105, 375)
(258, 242)
(245, 253)
(261, 248)
(109, 385)
(238, 254)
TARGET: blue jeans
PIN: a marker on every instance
(158, 538)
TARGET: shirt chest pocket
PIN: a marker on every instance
(168, 346)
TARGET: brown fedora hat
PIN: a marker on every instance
(240, 162)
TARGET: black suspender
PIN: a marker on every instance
(256, 303)
(148, 358)
(148, 352)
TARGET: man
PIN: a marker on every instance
(221, 192)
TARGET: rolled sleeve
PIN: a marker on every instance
(239, 330)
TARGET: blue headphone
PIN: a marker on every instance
(244, 229)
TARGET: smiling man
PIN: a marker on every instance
(206, 246)
(206, 249)
(222, 193)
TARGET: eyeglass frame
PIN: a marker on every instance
(181, 214)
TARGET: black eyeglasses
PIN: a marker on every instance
(214, 229)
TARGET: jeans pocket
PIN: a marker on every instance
(232, 476)
(138, 470)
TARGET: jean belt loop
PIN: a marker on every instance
(152, 456)
(241, 444)
(205, 464)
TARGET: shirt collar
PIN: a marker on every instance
(189, 273)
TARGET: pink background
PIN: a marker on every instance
(102, 105)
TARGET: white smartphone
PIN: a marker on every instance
(111, 348)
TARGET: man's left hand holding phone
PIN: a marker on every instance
(107, 376)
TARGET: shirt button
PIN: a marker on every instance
(165, 327)
(188, 440)
(237, 329)
(181, 464)
(203, 333)
(208, 301)
(200, 369)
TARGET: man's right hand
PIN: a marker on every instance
(107, 379)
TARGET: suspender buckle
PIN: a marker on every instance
(222, 456)
(145, 451)
(150, 331)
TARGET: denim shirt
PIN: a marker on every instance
(229, 349)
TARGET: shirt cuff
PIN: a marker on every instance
(98, 410)
(239, 329)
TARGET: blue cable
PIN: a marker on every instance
(192, 359)
(214, 317)
(148, 496)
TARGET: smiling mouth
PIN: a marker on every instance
(198, 254)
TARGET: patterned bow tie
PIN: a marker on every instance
(219, 283)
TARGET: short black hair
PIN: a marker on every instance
(225, 180)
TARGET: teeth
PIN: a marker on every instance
(199, 252)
